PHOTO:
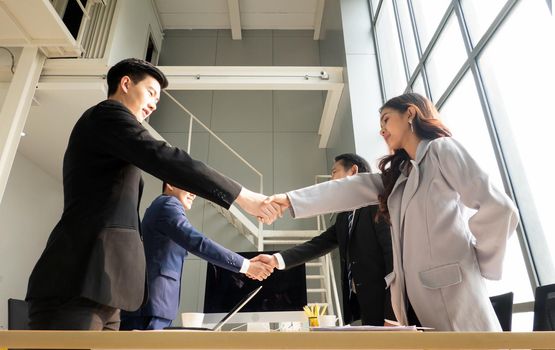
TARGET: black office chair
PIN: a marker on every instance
(18, 317)
(544, 308)
(503, 306)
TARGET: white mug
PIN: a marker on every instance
(192, 319)
(327, 320)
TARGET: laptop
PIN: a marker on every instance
(227, 317)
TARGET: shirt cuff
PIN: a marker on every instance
(281, 263)
(245, 266)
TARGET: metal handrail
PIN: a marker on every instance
(258, 234)
(329, 271)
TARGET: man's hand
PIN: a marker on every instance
(280, 200)
(259, 270)
(270, 260)
(257, 205)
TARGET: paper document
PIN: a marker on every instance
(365, 328)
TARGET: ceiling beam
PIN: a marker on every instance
(274, 78)
(318, 16)
(234, 19)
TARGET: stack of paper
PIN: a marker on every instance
(365, 328)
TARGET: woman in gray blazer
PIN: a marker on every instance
(440, 257)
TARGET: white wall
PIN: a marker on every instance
(31, 206)
(132, 22)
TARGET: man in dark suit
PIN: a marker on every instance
(364, 249)
(168, 238)
(94, 263)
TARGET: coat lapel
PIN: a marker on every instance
(412, 181)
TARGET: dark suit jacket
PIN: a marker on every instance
(168, 237)
(95, 251)
(368, 250)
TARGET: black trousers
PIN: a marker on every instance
(411, 316)
(72, 314)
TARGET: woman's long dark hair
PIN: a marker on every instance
(425, 124)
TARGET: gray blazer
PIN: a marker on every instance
(439, 257)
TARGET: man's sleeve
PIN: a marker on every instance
(175, 224)
(121, 135)
(312, 249)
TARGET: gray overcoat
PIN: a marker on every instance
(440, 256)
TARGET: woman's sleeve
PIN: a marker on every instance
(496, 216)
(349, 193)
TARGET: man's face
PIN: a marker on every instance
(140, 98)
(338, 171)
(186, 198)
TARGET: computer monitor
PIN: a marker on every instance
(283, 290)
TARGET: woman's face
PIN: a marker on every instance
(395, 127)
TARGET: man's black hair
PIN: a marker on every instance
(137, 70)
(350, 159)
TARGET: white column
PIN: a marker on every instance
(13, 113)
(364, 84)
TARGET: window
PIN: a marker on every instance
(408, 35)
(496, 99)
(518, 77)
(446, 58)
(418, 85)
(479, 15)
(428, 16)
(391, 59)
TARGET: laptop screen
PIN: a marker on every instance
(236, 308)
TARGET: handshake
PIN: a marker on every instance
(261, 267)
(266, 209)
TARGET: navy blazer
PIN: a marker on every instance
(168, 237)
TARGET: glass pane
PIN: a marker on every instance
(428, 14)
(408, 35)
(518, 74)
(479, 15)
(418, 85)
(446, 58)
(463, 114)
(390, 52)
(374, 6)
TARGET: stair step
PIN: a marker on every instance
(316, 290)
(314, 277)
(319, 304)
(290, 233)
(283, 241)
(313, 264)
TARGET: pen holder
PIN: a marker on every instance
(313, 321)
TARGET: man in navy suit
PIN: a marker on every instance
(168, 238)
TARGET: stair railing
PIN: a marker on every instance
(258, 234)
(329, 274)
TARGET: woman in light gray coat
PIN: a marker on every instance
(440, 257)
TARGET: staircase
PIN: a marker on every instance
(321, 286)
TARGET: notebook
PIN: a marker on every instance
(227, 317)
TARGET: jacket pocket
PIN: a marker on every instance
(441, 276)
(169, 273)
(115, 274)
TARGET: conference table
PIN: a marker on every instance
(274, 340)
